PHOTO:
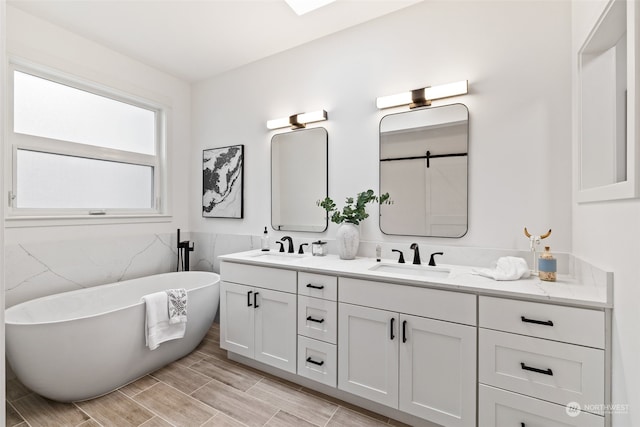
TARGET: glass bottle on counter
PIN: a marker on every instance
(547, 266)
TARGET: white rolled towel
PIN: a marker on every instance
(507, 268)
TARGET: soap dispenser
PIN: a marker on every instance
(547, 266)
(264, 241)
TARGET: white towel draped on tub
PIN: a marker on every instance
(157, 326)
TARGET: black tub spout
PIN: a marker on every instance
(183, 252)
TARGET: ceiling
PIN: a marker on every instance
(197, 39)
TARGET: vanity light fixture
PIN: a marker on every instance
(423, 97)
(297, 121)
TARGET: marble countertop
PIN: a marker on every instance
(586, 292)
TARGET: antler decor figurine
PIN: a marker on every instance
(533, 242)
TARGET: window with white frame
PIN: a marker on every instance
(80, 149)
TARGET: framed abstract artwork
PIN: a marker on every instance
(222, 182)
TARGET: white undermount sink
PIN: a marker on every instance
(412, 270)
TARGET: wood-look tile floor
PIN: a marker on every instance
(203, 389)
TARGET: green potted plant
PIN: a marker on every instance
(349, 217)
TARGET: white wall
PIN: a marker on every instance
(38, 41)
(516, 56)
(3, 21)
(607, 234)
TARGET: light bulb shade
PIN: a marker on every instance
(278, 123)
(447, 90)
(430, 93)
(297, 120)
(314, 116)
(393, 100)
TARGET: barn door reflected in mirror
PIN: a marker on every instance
(423, 165)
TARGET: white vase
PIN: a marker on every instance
(348, 239)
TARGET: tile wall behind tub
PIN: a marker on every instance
(209, 246)
(38, 269)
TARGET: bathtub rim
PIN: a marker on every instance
(8, 322)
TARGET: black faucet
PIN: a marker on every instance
(432, 262)
(183, 252)
(416, 253)
(290, 240)
(281, 246)
(401, 258)
(301, 250)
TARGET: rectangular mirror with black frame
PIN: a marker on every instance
(423, 166)
(299, 178)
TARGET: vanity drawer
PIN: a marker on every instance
(567, 324)
(500, 408)
(317, 318)
(264, 277)
(455, 307)
(318, 286)
(318, 361)
(549, 370)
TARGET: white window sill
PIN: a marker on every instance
(53, 221)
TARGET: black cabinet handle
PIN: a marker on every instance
(522, 425)
(393, 319)
(404, 331)
(311, 319)
(309, 285)
(539, 371)
(537, 322)
(310, 360)
(255, 300)
(249, 299)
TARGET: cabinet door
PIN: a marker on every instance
(368, 353)
(236, 318)
(275, 328)
(438, 371)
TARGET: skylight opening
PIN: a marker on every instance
(300, 7)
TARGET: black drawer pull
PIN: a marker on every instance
(309, 285)
(310, 360)
(522, 425)
(255, 300)
(404, 331)
(311, 319)
(537, 322)
(540, 371)
(249, 299)
(393, 319)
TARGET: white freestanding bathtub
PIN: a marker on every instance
(82, 344)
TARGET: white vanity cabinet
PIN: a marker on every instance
(258, 314)
(535, 359)
(410, 348)
(449, 353)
